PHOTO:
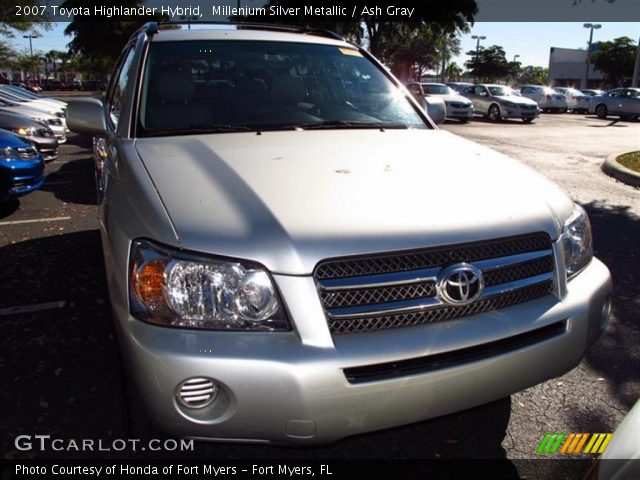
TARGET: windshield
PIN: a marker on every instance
(224, 86)
(437, 89)
(500, 91)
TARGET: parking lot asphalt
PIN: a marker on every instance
(59, 367)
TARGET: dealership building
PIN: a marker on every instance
(567, 68)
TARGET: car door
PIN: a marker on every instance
(106, 147)
(613, 101)
(629, 102)
(483, 98)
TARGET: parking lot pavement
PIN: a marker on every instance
(59, 368)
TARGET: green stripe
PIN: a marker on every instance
(561, 437)
(541, 448)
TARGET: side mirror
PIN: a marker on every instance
(86, 115)
(436, 109)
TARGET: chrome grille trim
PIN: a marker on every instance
(382, 298)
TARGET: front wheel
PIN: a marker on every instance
(601, 111)
(527, 120)
(463, 120)
(494, 113)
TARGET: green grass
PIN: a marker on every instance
(630, 160)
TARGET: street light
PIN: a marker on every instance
(592, 27)
(31, 37)
(515, 57)
(478, 38)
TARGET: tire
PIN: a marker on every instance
(601, 111)
(564, 110)
(463, 120)
(494, 113)
(527, 120)
(138, 423)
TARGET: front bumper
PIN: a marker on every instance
(291, 387)
(460, 112)
(47, 146)
(20, 177)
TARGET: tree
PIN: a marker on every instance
(102, 42)
(10, 22)
(490, 64)
(402, 45)
(29, 63)
(615, 60)
(533, 75)
(7, 53)
(453, 71)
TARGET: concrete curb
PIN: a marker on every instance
(612, 168)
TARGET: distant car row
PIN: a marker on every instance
(87, 85)
(31, 128)
(464, 100)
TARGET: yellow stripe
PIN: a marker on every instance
(584, 439)
(567, 442)
(598, 442)
(590, 444)
(605, 443)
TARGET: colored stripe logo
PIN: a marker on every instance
(573, 443)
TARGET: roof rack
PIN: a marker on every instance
(321, 32)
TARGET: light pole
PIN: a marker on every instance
(592, 27)
(515, 57)
(31, 37)
(478, 38)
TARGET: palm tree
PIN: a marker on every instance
(453, 71)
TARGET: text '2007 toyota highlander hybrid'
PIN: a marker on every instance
(295, 253)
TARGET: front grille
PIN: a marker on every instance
(459, 105)
(398, 290)
(527, 106)
(44, 132)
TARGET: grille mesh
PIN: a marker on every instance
(348, 298)
(415, 260)
(387, 322)
(520, 271)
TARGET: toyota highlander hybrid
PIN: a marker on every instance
(295, 253)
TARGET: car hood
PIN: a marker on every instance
(455, 98)
(14, 120)
(9, 139)
(516, 99)
(28, 112)
(290, 199)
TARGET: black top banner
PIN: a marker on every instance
(290, 11)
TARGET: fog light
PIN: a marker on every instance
(197, 392)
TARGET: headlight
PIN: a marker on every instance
(576, 241)
(9, 153)
(186, 290)
(25, 132)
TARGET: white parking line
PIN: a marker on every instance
(37, 307)
(36, 220)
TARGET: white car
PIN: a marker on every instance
(577, 101)
(55, 123)
(32, 104)
(458, 107)
(546, 97)
(27, 95)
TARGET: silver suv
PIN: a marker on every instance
(295, 252)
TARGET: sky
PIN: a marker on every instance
(530, 40)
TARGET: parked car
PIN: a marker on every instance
(37, 133)
(292, 261)
(53, 122)
(577, 101)
(21, 166)
(458, 86)
(592, 93)
(30, 87)
(458, 107)
(498, 102)
(546, 97)
(34, 104)
(26, 95)
(620, 102)
(94, 85)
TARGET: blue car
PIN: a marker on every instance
(21, 166)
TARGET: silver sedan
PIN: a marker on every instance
(498, 102)
(620, 102)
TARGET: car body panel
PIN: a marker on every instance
(511, 106)
(545, 97)
(22, 176)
